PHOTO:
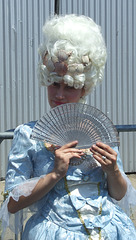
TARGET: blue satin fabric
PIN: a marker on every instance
(56, 215)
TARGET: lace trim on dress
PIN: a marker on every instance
(15, 221)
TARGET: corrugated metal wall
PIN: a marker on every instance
(116, 97)
(21, 98)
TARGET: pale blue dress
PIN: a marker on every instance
(77, 208)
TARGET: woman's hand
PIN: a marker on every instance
(106, 156)
(63, 156)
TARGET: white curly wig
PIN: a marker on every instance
(74, 51)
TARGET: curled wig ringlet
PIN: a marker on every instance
(74, 51)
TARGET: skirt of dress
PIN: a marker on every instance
(39, 228)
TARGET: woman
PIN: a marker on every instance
(70, 202)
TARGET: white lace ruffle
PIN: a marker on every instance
(15, 221)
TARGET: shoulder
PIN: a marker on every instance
(25, 129)
(22, 134)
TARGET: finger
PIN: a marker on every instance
(99, 159)
(102, 151)
(105, 147)
(94, 150)
(108, 152)
(73, 150)
(106, 157)
(97, 156)
(103, 161)
(70, 145)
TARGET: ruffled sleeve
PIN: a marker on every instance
(20, 165)
(128, 202)
(19, 177)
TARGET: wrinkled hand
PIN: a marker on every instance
(106, 156)
(63, 156)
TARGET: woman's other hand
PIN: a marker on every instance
(107, 157)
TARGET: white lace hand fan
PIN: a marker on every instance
(75, 121)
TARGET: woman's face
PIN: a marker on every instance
(60, 93)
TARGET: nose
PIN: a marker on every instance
(60, 93)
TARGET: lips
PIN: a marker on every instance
(58, 103)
